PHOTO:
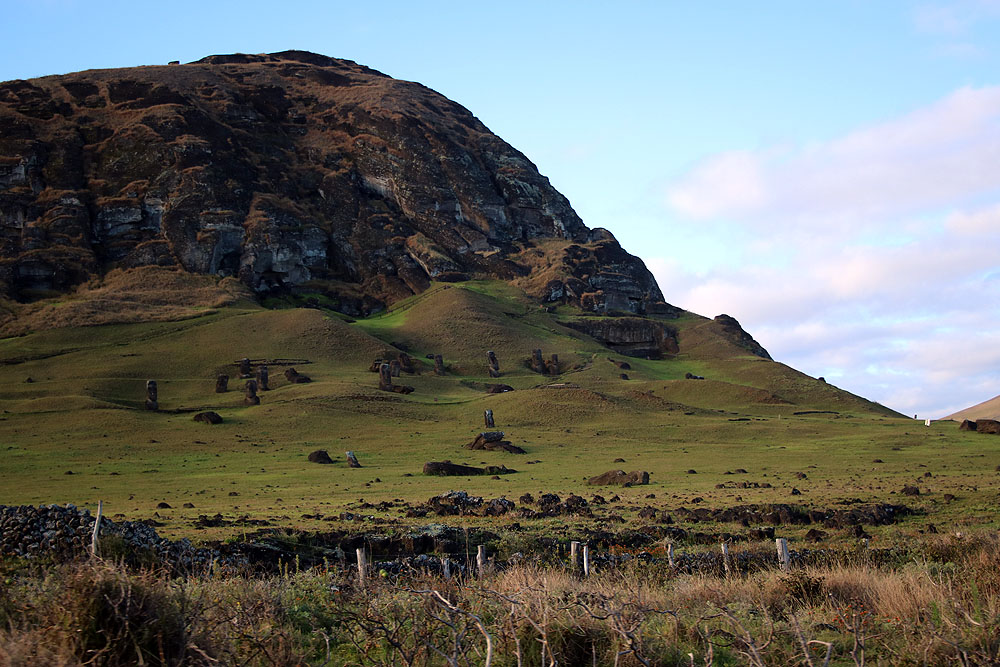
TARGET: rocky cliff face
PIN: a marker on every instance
(291, 171)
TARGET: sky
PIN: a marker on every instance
(826, 173)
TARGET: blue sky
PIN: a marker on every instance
(827, 173)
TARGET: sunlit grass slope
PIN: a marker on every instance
(81, 413)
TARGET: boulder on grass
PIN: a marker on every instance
(208, 417)
(967, 425)
(320, 456)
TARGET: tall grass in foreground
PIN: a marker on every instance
(942, 606)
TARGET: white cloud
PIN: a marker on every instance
(869, 259)
(984, 221)
(730, 180)
(946, 154)
(940, 20)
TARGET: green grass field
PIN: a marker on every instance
(82, 412)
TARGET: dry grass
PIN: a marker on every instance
(147, 294)
(919, 611)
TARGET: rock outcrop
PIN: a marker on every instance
(632, 336)
(282, 170)
(731, 330)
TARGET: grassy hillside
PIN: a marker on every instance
(986, 410)
(81, 412)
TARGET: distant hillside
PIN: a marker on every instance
(986, 410)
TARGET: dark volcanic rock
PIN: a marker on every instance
(967, 425)
(731, 330)
(283, 169)
(632, 336)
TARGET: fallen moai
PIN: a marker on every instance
(208, 417)
(295, 377)
(620, 478)
(447, 468)
(493, 441)
(320, 456)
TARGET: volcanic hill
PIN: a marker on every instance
(320, 219)
(291, 171)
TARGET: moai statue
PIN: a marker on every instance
(352, 460)
(537, 363)
(488, 418)
(245, 370)
(222, 384)
(251, 397)
(262, 378)
(394, 368)
(405, 363)
(384, 378)
(552, 367)
(494, 365)
(151, 395)
(438, 365)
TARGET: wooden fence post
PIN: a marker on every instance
(481, 560)
(97, 528)
(586, 560)
(574, 554)
(783, 558)
(725, 557)
(362, 567)
(670, 554)
(446, 567)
